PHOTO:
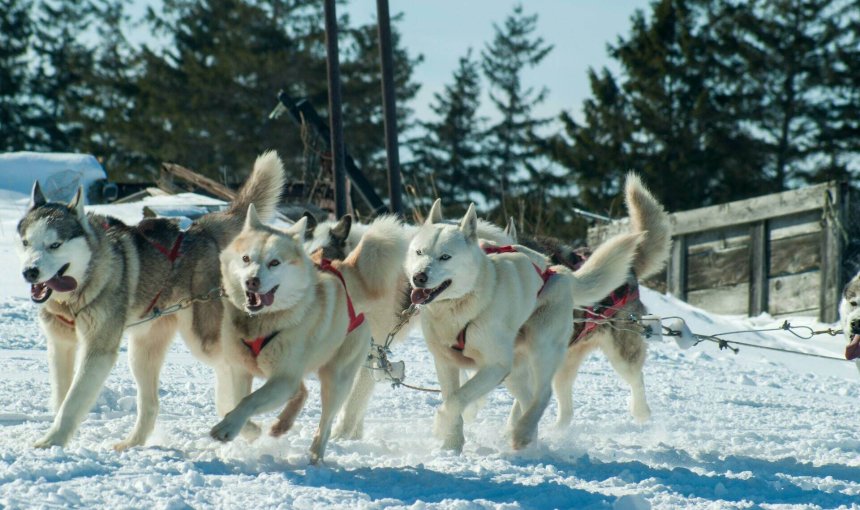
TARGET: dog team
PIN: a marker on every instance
(495, 308)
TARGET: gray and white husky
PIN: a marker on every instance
(93, 276)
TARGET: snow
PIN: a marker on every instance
(60, 174)
(759, 429)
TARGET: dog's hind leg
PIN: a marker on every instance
(626, 352)
(562, 383)
(62, 347)
(335, 377)
(350, 423)
(146, 351)
(288, 416)
(100, 343)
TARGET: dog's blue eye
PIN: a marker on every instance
(274, 263)
(54, 246)
(418, 252)
(445, 256)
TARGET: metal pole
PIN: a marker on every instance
(389, 108)
(334, 108)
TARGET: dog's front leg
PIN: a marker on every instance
(61, 358)
(100, 343)
(271, 395)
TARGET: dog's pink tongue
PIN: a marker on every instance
(268, 298)
(853, 349)
(62, 283)
(418, 296)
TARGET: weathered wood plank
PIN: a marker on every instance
(718, 239)
(797, 254)
(718, 267)
(677, 273)
(793, 293)
(831, 253)
(795, 225)
(732, 213)
(732, 300)
(759, 261)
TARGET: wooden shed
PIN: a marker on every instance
(788, 253)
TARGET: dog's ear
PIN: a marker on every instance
(252, 220)
(37, 198)
(77, 203)
(511, 229)
(435, 214)
(469, 224)
(297, 229)
(312, 224)
(340, 231)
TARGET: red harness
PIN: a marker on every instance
(67, 322)
(490, 250)
(256, 345)
(606, 309)
(355, 320)
(172, 255)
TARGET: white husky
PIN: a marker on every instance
(501, 315)
(849, 317)
(288, 318)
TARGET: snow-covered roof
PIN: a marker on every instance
(59, 173)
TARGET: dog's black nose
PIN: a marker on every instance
(855, 326)
(31, 274)
(419, 279)
(252, 284)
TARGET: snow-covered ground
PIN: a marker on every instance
(754, 430)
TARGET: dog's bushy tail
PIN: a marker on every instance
(263, 188)
(606, 269)
(647, 215)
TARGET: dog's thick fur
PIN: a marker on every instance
(623, 346)
(308, 315)
(516, 328)
(118, 275)
(849, 318)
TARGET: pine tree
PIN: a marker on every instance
(449, 158)
(64, 61)
(16, 29)
(513, 140)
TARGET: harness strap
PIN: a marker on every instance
(256, 345)
(606, 309)
(67, 322)
(355, 320)
(172, 255)
(461, 340)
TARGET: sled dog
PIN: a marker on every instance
(288, 317)
(624, 346)
(499, 314)
(94, 277)
(849, 317)
(389, 241)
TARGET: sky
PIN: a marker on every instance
(443, 30)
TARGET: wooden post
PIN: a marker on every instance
(389, 107)
(334, 108)
(759, 268)
(677, 274)
(831, 252)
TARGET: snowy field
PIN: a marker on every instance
(753, 430)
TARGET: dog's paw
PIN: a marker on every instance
(126, 444)
(443, 422)
(520, 439)
(640, 411)
(251, 431)
(228, 429)
(454, 442)
(348, 431)
(52, 438)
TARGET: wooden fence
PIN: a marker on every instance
(789, 253)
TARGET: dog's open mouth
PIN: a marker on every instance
(424, 296)
(40, 292)
(255, 301)
(853, 349)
